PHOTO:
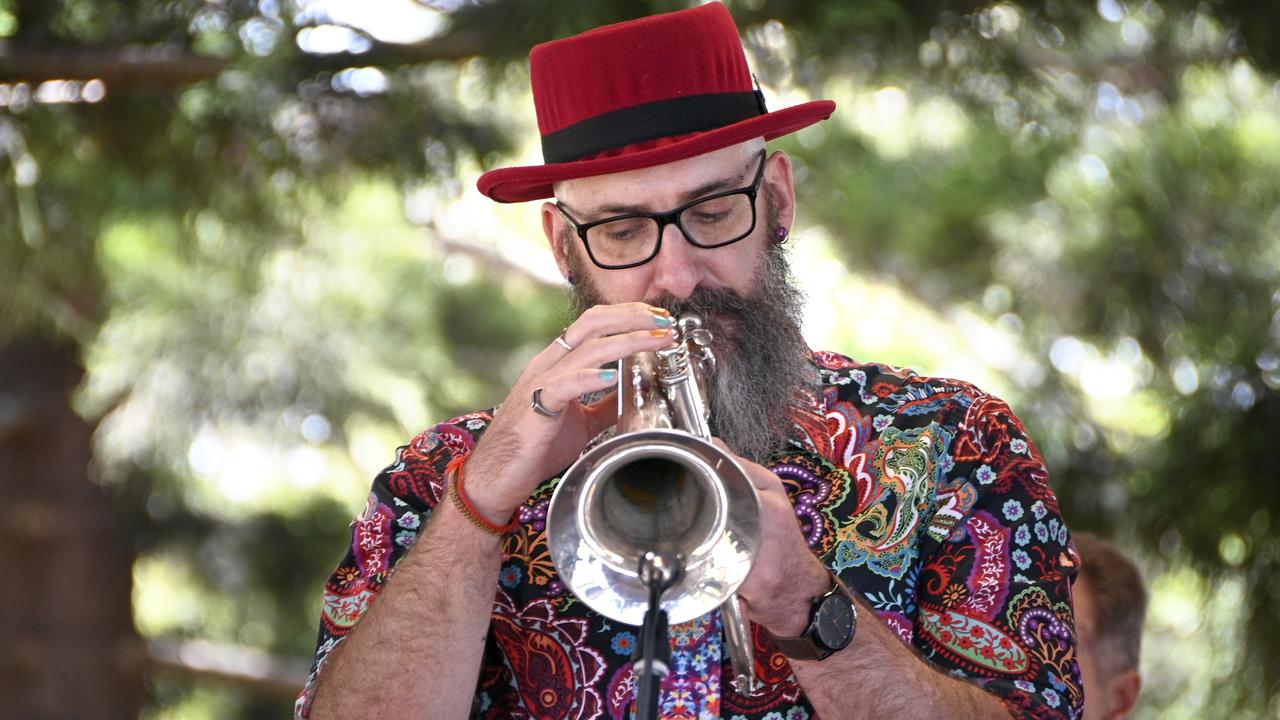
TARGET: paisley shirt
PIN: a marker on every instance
(924, 494)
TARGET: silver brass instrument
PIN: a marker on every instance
(660, 486)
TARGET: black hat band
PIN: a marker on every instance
(641, 123)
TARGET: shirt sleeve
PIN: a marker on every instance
(994, 595)
(399, 505)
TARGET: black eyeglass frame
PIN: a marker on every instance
(671, 218)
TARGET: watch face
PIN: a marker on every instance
(834, 621)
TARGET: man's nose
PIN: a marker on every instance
(677, 269)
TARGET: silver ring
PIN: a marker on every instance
(541, 409)
(562, 342)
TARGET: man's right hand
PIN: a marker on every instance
(521, 448)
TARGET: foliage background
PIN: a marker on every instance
(242, 259)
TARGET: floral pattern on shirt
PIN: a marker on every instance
(924, 494)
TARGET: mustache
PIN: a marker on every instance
(705, 302)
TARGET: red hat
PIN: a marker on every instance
(643, 93)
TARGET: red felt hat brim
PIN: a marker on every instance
(534, 182)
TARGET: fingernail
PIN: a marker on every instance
(661, 333)
(662, 321)
(608, 374)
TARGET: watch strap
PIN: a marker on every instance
(802, 647)
(807, 645)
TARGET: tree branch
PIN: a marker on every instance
(170, 65)
(490, 259)
(245, 667)
(127, 65)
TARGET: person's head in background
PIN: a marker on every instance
(1110, 606)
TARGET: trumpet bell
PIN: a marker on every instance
(654, 490)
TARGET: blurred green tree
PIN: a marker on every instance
(189, 185)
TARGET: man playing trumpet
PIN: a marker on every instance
(912, 560)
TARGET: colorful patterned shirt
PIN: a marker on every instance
(924, 494)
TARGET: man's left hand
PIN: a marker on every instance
(779, 590)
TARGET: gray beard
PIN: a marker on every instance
(763, 370)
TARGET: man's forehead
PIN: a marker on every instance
(661, 185)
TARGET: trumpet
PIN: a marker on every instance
(660, 488)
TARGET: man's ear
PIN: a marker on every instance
(780, 184)
(1122, 694)
(552, 222)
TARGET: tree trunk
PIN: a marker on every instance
(68, 648)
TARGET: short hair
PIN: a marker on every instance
(1119, 601)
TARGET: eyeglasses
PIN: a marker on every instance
(625, 241)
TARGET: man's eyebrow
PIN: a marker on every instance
(707, 188)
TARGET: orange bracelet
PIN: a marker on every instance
(453, 475)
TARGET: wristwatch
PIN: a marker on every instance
(833, 619)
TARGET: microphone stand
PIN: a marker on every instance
(651, 659)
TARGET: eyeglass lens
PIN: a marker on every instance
(712, 222)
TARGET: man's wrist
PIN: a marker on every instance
(833, 621)
(455, 475)
(482, 486)
(798, 599)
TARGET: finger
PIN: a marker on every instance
(761, 477)
(766, 481)
(604, 320)
(603, 350)
(564, 390)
